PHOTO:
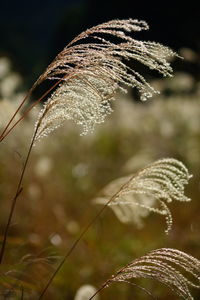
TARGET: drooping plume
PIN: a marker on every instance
(148, 190)
(92, 68)
(176, 269)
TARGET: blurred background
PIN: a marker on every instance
(33, 32)
(67, 171)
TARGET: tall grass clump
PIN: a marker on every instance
(87, 75)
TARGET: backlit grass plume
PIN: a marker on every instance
(176, 269)
(92, 68)
(148, 190)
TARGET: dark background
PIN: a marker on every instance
(33, 32)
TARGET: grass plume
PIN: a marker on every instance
(149, 190)
(174, 268)
(92, 73)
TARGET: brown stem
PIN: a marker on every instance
(100, 289)
(109, 281)
(79, 238)
(22, 294)
(8, 224)
(18, 109)
(69, 252)
(106, 284)
(14, 200)
(6, 130)
(19, 188)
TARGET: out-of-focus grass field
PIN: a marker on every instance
(67, 171)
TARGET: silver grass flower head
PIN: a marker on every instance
(91, 72)
(151, 189)
(176, 269)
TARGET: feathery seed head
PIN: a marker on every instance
(149, 190)
(176, 269)
(92, 72)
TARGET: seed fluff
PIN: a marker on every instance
(174, 268)
(151, 189)
(92, 68)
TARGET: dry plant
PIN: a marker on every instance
(93, 72)
(176, 269)
(97, 69)
(89, 72)
(14, 277)
(149, 190)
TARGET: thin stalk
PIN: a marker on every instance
(19, 187)
(104, 285)
(14, 200)
(18, 109)
(79, 238)
(6, 130)
(22, 293)
(109, 281)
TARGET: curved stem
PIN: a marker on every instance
(70, 251)
(18, 109)
(109, 281)
(6, 131)
(19, 187)
(22, 293)
(14, 200)
(104, 285)
(79, 238)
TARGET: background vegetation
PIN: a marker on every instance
(67, 171)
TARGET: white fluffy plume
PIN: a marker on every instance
(133, 196)
(92, 68)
